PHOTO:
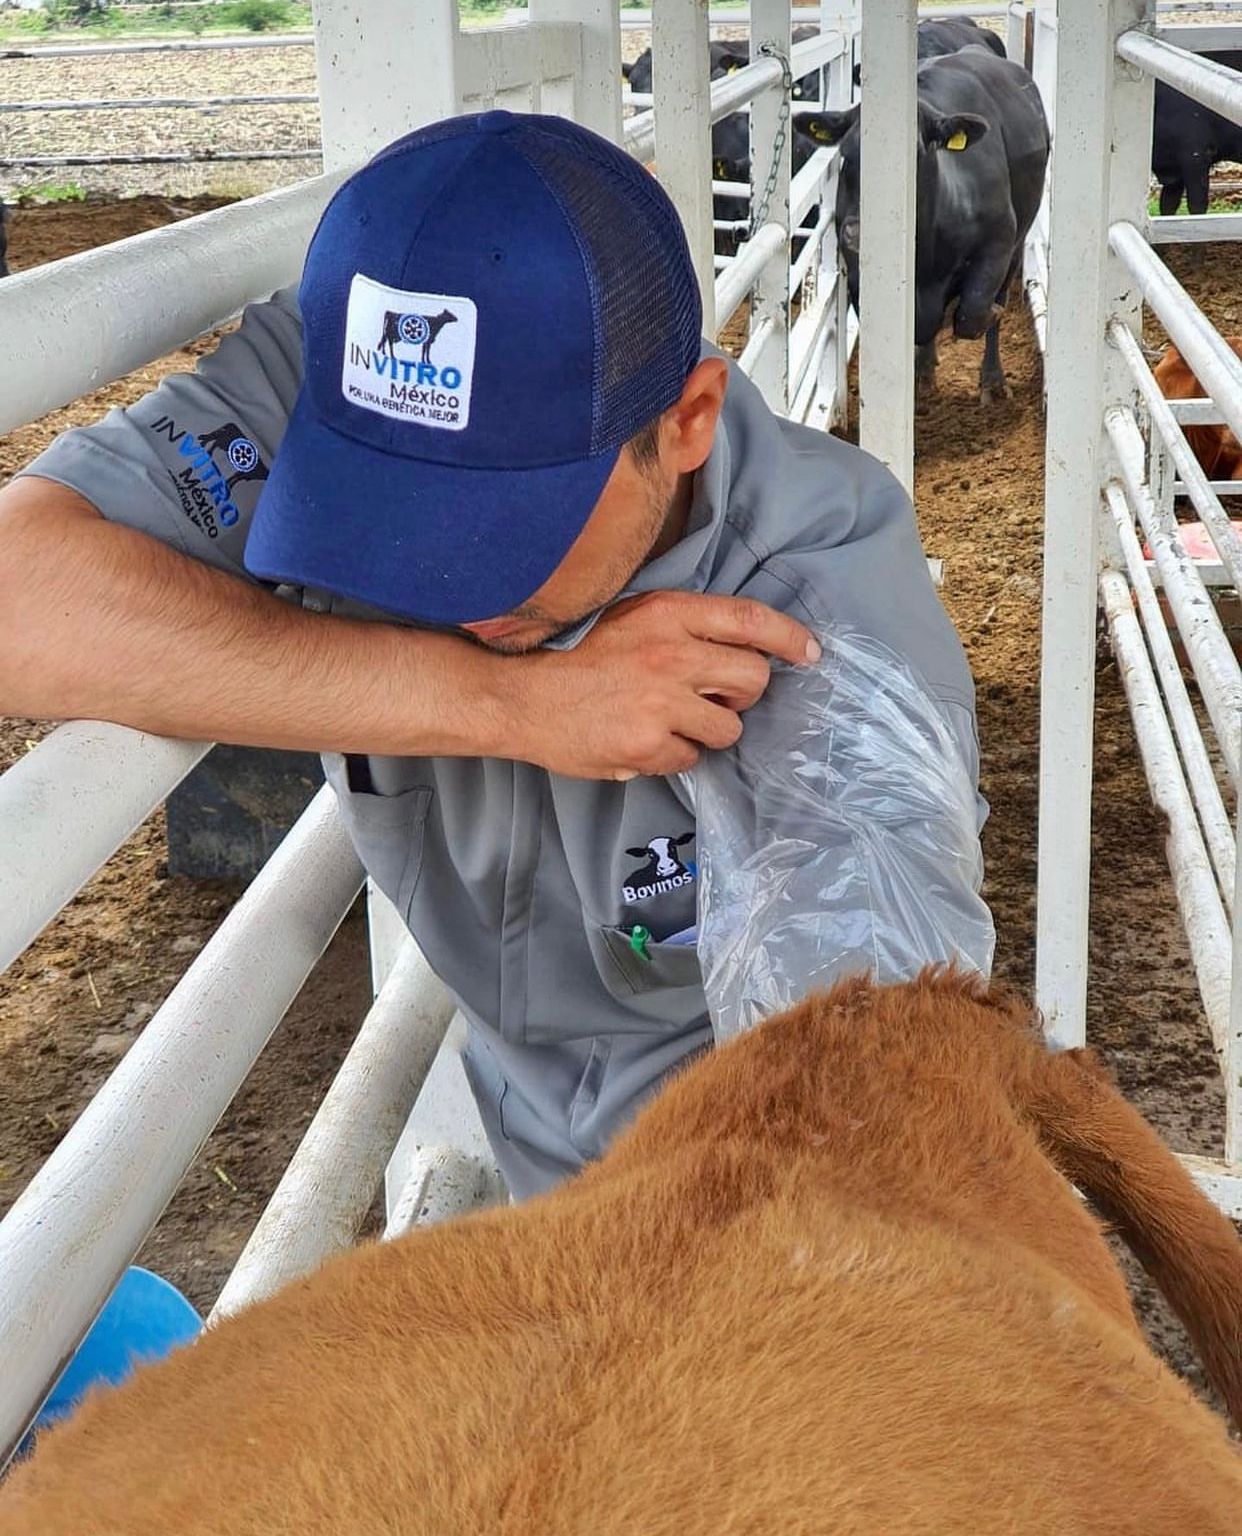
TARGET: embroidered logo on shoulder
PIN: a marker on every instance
(409, 355)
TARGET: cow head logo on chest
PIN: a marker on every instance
(664, 869)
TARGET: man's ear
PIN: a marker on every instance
(957, 132)
(688, 426)
(828, 127)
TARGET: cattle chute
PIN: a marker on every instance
(1117, 458)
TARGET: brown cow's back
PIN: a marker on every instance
(827, 1284)
(1216, 448)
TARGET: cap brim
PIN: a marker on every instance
(432, 542)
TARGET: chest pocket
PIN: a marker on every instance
(662, 985)
(388, 831)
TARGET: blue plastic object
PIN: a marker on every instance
(145, 1318)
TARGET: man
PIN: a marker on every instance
(495, 418)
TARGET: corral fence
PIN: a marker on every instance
(1117, 460)
(398, 1110)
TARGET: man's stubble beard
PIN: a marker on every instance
(619, 576)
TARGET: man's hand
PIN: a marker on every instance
(658, 679)
(100, 622)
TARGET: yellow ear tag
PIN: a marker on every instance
(956, 141)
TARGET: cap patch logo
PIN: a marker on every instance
(409, 355)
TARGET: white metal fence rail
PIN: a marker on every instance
(86, 1213)
(1116, 458)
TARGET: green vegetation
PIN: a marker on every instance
(1215, 205)
(53, 192)
(66, 20)
(69, 19)
(260, 15)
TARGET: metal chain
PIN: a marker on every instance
(760, 214)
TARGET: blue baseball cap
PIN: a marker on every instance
(491, 308)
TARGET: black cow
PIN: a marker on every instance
(1187, 140)
(937, 38)
(725, 59)
(982, 154)
(806, 88)
(425, 330)
(241, 451)
(731, 162)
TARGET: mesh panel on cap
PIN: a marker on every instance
(646, 300)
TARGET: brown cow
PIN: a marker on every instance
(833, 1280)
(1216, 448)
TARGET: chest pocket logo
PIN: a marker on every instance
(663, 870)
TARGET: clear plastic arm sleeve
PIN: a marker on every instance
(840, 836)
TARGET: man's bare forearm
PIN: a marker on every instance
(100, 622)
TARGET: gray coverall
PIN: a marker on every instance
(524, 888)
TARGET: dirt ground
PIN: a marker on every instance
(149, 130)
(73, 1003)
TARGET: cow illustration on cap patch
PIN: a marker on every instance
(414, 330)
(409, 356)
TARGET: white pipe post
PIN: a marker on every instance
(386, 935)
(1078, 307)
(327, 1189)
(1015, 32)
(597, 85)
(1198, 897)
(67, 806)
(681, 88)
(442, 1182)
(446, 1116)
(771, 141)
(889, 166)
(85, 1214)
(1211, 655)
(1044, 57)
(1130, 129)
(845, 16)
(385, 68)
(1205, 791)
